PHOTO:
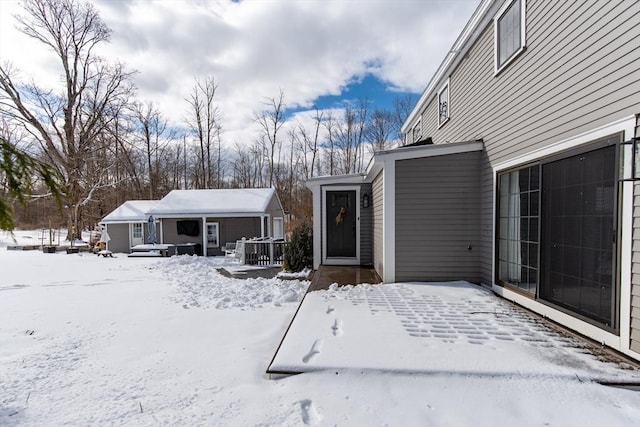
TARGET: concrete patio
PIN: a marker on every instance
(427, 328)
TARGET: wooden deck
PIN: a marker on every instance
(326, 275)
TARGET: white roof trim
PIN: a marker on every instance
(458, 50)
(417, 152)
(335, 179)
(402, 153)
(123, 221)
(199, 215)
(430, 150)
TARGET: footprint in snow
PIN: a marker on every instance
(337, 328)
(309, 414)
(330, 310)
(315, 349)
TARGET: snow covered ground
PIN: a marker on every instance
(86, 340)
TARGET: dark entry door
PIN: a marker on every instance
(341, 224)
(579, 217)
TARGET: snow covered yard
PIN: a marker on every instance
(141, 341)
(85, 339)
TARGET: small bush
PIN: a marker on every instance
(298, 254)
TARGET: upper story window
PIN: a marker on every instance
(509, 29)
(444, 108)
(416, 133)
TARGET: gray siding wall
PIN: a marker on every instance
(275, 210)
(581, 70)
(119, 235)
(378, 241)
(170, 231)
(635, 273)
(230, 229)
(635, 265)
(366, 227)
(437, 225)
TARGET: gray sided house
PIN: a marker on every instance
(209, 219)
(519, 170)
(127, 225)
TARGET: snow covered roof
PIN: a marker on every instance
(130, 211)
(220, 202)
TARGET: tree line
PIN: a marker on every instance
(107, 146)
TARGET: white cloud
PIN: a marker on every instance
(255, 48)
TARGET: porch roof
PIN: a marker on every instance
(354, 178)
(130, 211)
(217, 202)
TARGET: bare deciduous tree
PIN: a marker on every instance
(152, 128)
(308, 144)
(380, 130)
(271, 120)
(67, 122)
(348, 134)
(330, 146)
(205, 122)
(402, 108)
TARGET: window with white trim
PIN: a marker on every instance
(417, 133)
(278, 228)
(213, 235)
(444, 107)
(509, 25)
(136, 230)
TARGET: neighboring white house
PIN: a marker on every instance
(127, 225)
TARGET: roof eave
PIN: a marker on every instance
(355, 178)
(462, 44)
(416, 152)
(206, 214)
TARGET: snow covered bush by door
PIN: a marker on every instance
(298, 254)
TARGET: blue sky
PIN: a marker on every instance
(317, 52)
(380, 94)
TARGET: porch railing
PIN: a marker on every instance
(261, 252)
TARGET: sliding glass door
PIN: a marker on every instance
(518, 208)
(556, 232)
(579, 214)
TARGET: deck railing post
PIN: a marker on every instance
(271, 252)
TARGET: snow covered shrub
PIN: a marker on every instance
(298, 254)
